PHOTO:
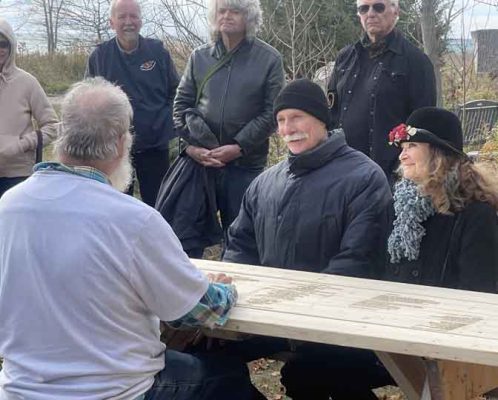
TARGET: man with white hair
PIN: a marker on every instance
(145, 71)
(87, 272)
(228, 87)
(377, 83)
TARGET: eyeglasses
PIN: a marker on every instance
(379, 8)
(4, 44)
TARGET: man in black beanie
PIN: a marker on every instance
(324, 209)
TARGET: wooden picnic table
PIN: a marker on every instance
(437, 343)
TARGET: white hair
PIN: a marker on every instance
(95, 115)
(251, 10)
(395, 3)
(112, 7)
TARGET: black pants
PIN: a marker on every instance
(318, 371)
(343, 373)
(7, 183)
(150, 167)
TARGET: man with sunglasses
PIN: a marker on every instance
(377, 82)
(22, 101)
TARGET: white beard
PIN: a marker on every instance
(122, 176)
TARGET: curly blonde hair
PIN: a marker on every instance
(453, 182)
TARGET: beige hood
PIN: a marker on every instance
(8, 32)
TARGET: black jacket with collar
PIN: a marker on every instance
(402, 81)
(325, 210)
(458, 251)
(237, 102)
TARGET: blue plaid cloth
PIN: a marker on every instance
(211, 310)
(87, 172)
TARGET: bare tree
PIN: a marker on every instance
(49, 17)
(182, 25)
(436, 17)
(14, 8)
(463, 83)
(86, 21)
(488, 2)
(427, 23)
(305, 32)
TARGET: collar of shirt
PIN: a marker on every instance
(126, 51)
(219, 50)
(86, 172)
(390, 42)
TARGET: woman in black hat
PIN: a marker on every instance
(445, 230)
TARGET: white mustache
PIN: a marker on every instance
(295, 136)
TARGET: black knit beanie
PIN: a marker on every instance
(305, 95)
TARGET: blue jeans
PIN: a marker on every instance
(201, 377)
(7, 183)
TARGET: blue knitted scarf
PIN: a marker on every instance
(411, 209)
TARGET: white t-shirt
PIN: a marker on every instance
(86, 273)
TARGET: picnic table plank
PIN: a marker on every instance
(400, 318)
(438, 343)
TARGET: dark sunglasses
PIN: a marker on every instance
(4, 44)
(379, 8)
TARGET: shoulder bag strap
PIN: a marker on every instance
(39, 146)
(215, 67)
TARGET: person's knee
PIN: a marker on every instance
(227, 378)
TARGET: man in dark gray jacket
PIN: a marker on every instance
(324, 209)
(230, 85)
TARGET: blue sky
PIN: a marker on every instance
(477, 16)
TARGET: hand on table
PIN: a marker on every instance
(219, 278)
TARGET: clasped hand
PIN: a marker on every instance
(216, 158)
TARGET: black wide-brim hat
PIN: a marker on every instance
(433, 125)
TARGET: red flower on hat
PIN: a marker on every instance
(401, 133)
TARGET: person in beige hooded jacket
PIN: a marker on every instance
(23, 106)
